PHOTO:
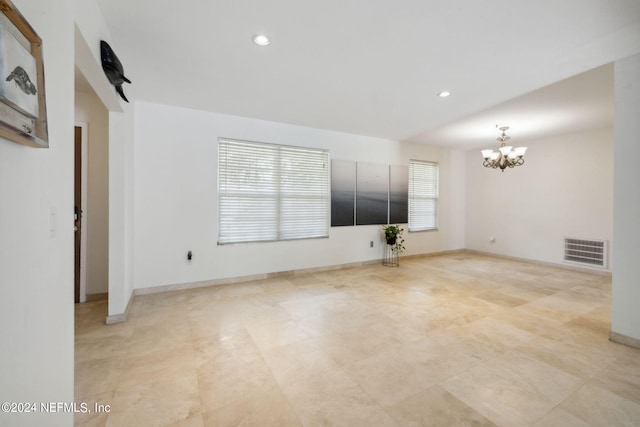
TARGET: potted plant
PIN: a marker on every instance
(393, 236)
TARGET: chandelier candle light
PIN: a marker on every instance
(506, 156)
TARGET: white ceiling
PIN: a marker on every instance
(575, 104)
(374, 67)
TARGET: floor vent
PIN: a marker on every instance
(592, 253)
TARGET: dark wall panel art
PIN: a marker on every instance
(343, 192)
(368, 194)
(398, 194)
(372, 190)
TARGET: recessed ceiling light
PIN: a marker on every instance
(444, 94)
(261, 40)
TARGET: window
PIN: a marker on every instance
(270, 192)
(423, 195)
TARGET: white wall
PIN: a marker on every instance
(625, 317)
(90, 28)
(565, 189)
(36, 269)
(176, 200)
(121, 203)
(89, 109)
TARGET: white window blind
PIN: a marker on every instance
(270, 192)
(423, 195)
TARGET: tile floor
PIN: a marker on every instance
(460, 339)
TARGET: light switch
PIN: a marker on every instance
(53, 222)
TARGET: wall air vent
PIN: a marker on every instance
(589, 253)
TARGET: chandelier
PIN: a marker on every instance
(506, 156)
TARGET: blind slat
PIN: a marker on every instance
(271, 192)
(423, 195)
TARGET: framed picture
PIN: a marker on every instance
(23, 112)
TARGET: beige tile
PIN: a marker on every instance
(560, 418)
(330, 398)
(158, 305)
(232, 344)
(90, 316)
(589, 293)
(236, 290)
(353, 346)
(396, 374)
(600, 407)
(160, 363)
(232, 382)
(265, 407)
(219, 315)
(171, 400)
(97, 376)
(582, 278)
(332, 302)
(556, 306)
(100, 347)
(495, 335)
(601, 312)
(268, 335)
(164, 316)
(540, 285)
(321, 323)
(148, 340)
(93, 417)
(512, 389)
(591, 325)
(461, 310)
(205, 323)
(92, 326)
(193, 420)
(435, 407)
(414, 326)
(311, 279)
(265, 311)
(578, 360)
(530, 322)
(621, 377)
(298, 361)
(506, 299)
(378, 418)
(566, 332)
(459, 339)
(522, 292)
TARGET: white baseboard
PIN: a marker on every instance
(544, 263)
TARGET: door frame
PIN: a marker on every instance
(84, 143)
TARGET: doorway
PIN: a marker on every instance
(79, 207)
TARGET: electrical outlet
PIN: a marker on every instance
(371, 244)
(189, 257)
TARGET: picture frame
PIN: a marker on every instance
(23, 110)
